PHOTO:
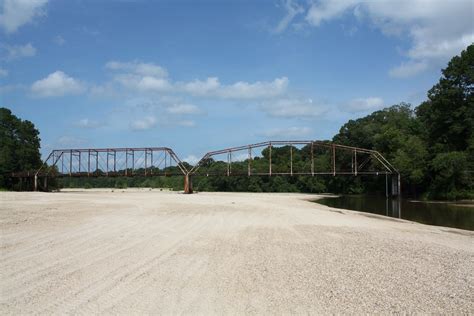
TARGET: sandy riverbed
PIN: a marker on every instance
(222, 253)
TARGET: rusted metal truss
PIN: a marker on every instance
(112, 162)
(261, 159)
(344, 160)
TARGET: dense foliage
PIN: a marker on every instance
(19, 146)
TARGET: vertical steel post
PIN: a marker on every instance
(151, 156)
(96, 162)
(291, 159)
(352, 162)
(270, 159)
(228, 163)
(312, 158)
(355, 161)
(107, 165)
(80, 154)
(62, 163)
(36, 182)
(115, 161)
(146, 157)
(249, 160)
(386, 185)
(333, 160)
(133, 161)
(126, 162)
(89, 163)
(399, 187)
(70, 163)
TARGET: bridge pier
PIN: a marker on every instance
(188, 184)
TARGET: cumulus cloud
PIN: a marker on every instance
(288, 132)
(11, 52)
(256, 90)
(57, 84)
(16, 13)
(364, 104)
(293, 108)
(437, 29)
(143, 124)
(3, 72)
(138, 68)
(211, 87)
(143, 83)
(408, 69)
(199, 87)
(148, 77)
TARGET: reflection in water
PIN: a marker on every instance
(440, 214)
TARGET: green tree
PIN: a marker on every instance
(451, 180)
(19, 146)
(448, 114)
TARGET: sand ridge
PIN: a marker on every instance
(142, 251)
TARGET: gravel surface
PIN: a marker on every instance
(142, 251)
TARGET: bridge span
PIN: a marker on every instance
(271, 158)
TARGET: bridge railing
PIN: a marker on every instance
(111, 162)
(293, 158)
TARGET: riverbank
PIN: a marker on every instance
(142, 251)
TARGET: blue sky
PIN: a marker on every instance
(204, 75)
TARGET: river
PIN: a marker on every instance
(450, 214)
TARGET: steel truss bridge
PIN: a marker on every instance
(271, 158)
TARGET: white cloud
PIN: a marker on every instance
(191, 159)
(437, 29)
(288, 132)
(144, 84)
(148, 77)
(201, 88)
(364, 104)
(57, 84)
(327, 10)
(183, 108)
(87, 123)
(211, 87)
(16, 13)
(12, 52)
(59, 40)
(292, 10)
(143, 124)
(256, 90)
(3, 72)
(139, 68)
(408, 69)
(293, 108)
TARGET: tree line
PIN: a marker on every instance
(432, 145)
